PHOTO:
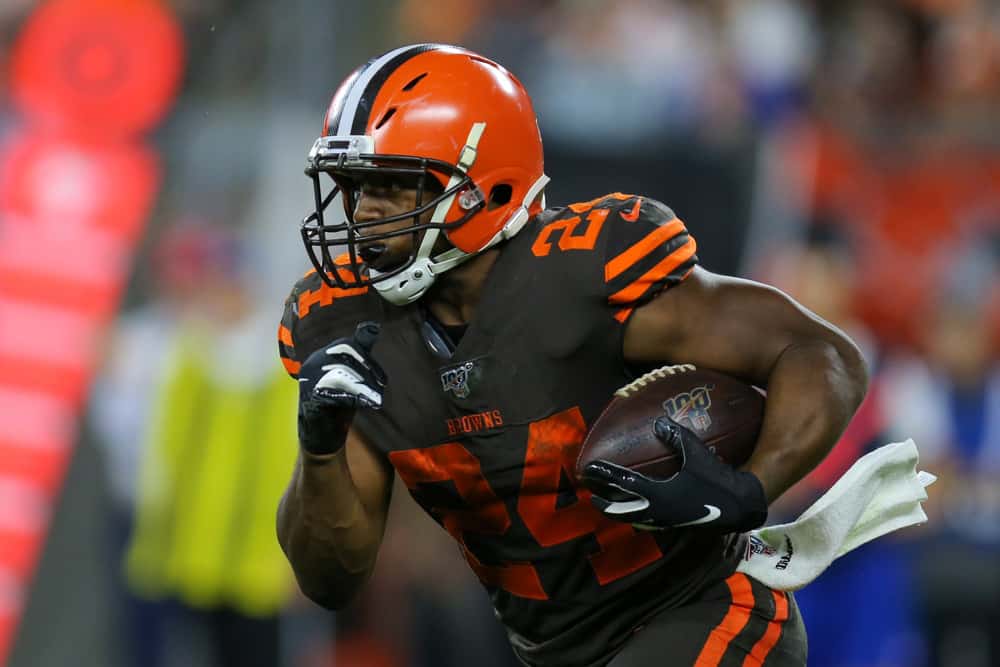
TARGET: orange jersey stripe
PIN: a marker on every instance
(658, 272)
(760, 650)
(732, 624)
(342, 260)
(291, 366)
(650, 242)
(324, 296)
(583, 207)
(623, 314)
(285, 335)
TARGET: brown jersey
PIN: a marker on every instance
(486, 434)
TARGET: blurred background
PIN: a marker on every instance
(151, 186)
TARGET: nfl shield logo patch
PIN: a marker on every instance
(456, 379)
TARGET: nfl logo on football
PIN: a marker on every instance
(691, 406)
(757, 546)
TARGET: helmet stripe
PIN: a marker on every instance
(337, 105)
(353, 118)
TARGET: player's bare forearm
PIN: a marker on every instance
(331, 521)
(814, 375)
(812, 393)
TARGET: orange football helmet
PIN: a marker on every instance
(428, 111)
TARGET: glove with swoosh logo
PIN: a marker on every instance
(334, 381)
(705, 493)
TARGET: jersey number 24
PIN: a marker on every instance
(553, 445)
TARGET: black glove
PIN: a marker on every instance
(705, 492)
(333, 382)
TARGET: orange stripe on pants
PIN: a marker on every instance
(758, 654)
(732, 624)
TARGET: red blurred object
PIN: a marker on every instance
(76, 186)
(110, 68)
(906, 211)
(195, 253)
(72, 211)
(62, 181)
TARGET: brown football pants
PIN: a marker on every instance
(738, 622)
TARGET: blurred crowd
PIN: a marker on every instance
(844, 150)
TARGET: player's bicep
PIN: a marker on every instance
(728, 324)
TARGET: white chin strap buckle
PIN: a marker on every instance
(409, 285)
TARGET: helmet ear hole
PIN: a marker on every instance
(500, 195)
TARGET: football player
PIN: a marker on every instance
(459, 334)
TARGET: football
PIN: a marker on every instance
(725, 412)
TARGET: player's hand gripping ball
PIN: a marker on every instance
(664, 452)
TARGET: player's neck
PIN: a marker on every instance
(455, 295)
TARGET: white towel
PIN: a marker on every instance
(880, 493)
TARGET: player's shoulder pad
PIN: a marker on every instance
(316, 313)
(635, 243)
(647, 249)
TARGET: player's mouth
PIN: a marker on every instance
(373, 254)
(376, 255)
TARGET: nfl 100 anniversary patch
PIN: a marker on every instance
(461, 379)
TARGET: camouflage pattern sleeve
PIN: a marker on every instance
(316, 313)
(286, 341)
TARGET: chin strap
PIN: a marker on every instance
(410, 285)
(452, 257)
